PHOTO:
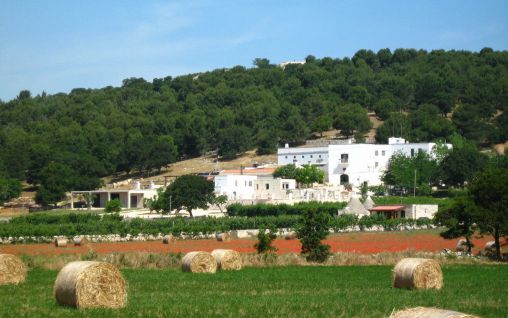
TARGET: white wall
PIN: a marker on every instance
(422, 211)
(303, 156)
(236, 187)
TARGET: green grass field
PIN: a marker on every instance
(312, 291)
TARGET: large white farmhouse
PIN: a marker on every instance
(353, 163)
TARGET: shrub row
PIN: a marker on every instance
(283, 209)
(70, 225)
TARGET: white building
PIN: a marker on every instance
(242, 187)
(353, 163)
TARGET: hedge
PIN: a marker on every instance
(92, 224)
(283, 209)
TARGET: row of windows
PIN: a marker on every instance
(303, 156)
(267, 185)
(383, 153)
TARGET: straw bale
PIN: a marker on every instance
(199, 262)
(12, 270)
(167, 239)
(80, 241)
(417, 273)
(490, 246)
(223, 237)
(425, 312)
(461, 245)
(60, 242)
(290, 236)
(90, 284)
(227, 259)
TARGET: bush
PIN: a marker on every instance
(113, 206)
(283, 209)
(313, 228)
(265, 239)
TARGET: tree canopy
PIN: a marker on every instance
(188, 192)
(143, 125)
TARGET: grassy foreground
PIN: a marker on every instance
(311, 291)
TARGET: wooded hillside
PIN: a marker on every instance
(70, 140)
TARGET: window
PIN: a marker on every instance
(344, 158)
(412, 152)
(286, 157)
(257, 186)
(250, 183)
(376, 153)
(319, 156)
(303, 156)
(267, 186)
(236, 183)
(294, 157)
(383, 152)
(245, 183)
(311, 156)
(376, 164)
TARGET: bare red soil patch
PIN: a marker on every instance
(362, 243)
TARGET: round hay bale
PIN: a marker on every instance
(425, 312)
(417, 273)
(80, 241)
(490, 246)
(223, 237)
(227, 259)
(60, 242)
(89, 284)
(12, 270)
(461, 245)
(290, 236)
(167, 239)
(199, 262)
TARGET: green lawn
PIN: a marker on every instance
(313, 291)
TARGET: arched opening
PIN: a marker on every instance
(344, 179)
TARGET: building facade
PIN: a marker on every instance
(351, 163)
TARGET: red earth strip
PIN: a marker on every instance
(362, 243)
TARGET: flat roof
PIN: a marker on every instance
(387, 208)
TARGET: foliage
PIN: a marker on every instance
(113, 206)
(461, 164)
(143, 126)
(489, 191)
(71, 224)
(188, 192)
(286, 172)
(220, 201)
(305, 175)
(283, 209)
(459, 219)
(309, 174)
(311, 230)
(266, 235)
(407, 172)
(9, 189)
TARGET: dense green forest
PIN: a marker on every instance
(68, 141)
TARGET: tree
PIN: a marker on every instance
(266, 235)
(220, 201)
(233, 140)
(314, 227)
(403, 171)
(309, 174)
(351, 118)
(188, 192)
(460, 166)
(489, 191)
(286, 172)
(459, 218)
(322, 124)
(9, 189)
(56, 179)
(113, 206)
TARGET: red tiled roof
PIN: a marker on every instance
(249, 171)
(388, 208)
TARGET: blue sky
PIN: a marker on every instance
(57, 45)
